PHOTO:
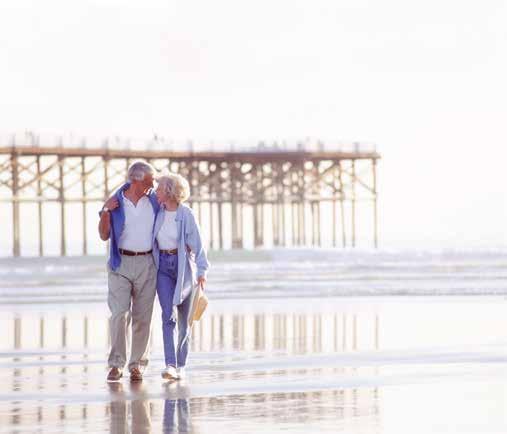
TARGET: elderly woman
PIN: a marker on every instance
(181, 262)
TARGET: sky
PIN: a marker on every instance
(425, 81)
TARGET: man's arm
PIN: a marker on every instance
(104, 225)
(105, 218)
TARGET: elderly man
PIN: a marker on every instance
(126, 220)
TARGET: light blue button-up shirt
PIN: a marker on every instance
(188, 235)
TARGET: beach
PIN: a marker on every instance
(292, 341)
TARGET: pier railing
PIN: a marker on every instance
(71, 141)
(279, 193)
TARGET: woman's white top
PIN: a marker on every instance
(137, 232)
(167, 236)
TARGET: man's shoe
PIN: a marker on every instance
(170, 373)
(135, 375)
(181, 371)
(114, 374)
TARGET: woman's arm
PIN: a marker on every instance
(194, 241)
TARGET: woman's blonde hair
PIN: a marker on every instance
(175, 186)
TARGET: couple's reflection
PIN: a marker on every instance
(139, 408)
(176, 418)
(176, 409)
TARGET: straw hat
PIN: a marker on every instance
(199, 304)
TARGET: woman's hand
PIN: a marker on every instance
(201, 280)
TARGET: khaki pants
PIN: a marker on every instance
(132, 289)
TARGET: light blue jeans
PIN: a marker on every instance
(176, 339)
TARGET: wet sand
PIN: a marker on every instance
(313, 364)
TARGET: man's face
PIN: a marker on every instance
(148, 181)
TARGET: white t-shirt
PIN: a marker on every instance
(167, 236)
(136, 235)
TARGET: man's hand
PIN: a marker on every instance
(105, 218)
(111, 203)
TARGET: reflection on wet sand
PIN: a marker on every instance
(175, 418)
(193, 415)
(133, 413)
(53, 353)
(296, 333)
(268, 365)
(136, 405)
(118, 410)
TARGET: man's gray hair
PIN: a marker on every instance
(138, 170)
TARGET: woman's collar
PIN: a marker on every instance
(178, 210)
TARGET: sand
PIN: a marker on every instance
(386, 364)
(277, 361)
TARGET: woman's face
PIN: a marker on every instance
(161, 195)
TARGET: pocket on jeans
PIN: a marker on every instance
(173, 265)
(168, 262)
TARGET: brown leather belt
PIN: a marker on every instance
(169, 252)
(129, 253)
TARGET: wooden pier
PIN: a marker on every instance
(236, 193)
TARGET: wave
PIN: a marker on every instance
(279, 273)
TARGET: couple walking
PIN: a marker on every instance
(154, 247)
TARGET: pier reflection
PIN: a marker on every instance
(54, 354)
(131, 410)
(295, 333)
(197, 415)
